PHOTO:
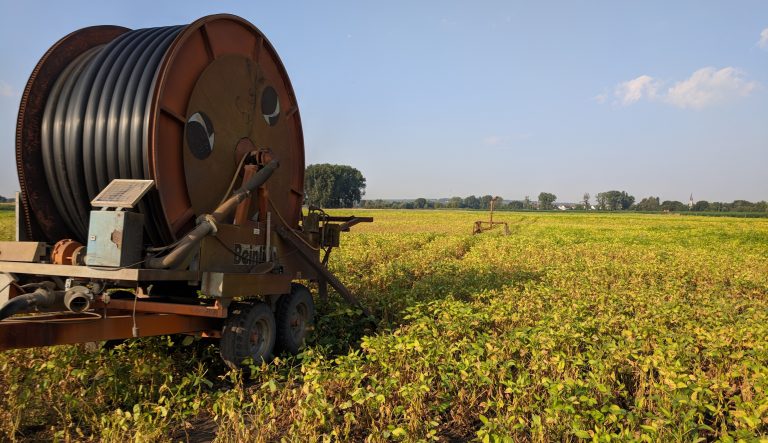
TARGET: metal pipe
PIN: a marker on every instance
(241, 215)
(78, 299)
(269, 237)
(42, 297)
(207, 223)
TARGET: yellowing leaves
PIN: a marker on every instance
(594, 327)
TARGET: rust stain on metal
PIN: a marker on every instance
(117, 238)
(28, 334)
(215, 311)
(482, 226)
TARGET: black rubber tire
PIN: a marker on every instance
(249, 332)
(295, 318)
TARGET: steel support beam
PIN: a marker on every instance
(322, 270)
(70, 330)
(215, 311)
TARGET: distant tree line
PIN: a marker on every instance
(545, 201)
(604, 201)
(471, 202)
(654, 204)
(342, 186)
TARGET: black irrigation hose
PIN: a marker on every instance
(43, 296)
(96, 123)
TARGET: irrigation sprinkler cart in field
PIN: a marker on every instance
(482, 226)
(129, 145)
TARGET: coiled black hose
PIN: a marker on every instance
(95, 125)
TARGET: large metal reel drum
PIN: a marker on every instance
(218, 91)
(42, 220)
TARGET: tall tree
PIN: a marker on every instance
(546, 199)
(701, 205)
(333, 186)
(648, 204)
(455, 202)
(626, 201)
(602, 201)
(742, 206)
(614, 200)
(585, 199)
(673, 205)
(485, 201)
(472, 202)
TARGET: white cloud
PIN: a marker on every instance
(633, 90)
(6, 90)
(494, 140)
(600, 98)
(504, 142)
(763, 42)
(705, 87)
(709, 86)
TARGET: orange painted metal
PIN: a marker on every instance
(215, 311)
(241, 213)
(196, 48)
(482, 226)
(64, 252)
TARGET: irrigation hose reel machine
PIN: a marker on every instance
(156, 165)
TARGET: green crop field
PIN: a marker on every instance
(593, 327)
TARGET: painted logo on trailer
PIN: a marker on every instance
(246, 254)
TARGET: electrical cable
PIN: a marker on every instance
(234, 179)
(134, 329)
(164, 248)
(106, 268)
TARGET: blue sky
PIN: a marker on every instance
(435, 99)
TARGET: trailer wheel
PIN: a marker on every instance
(295, 318)
(249, 332)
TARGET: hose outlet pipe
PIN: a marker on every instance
(45, 296)
(207, 223)
(78, 299)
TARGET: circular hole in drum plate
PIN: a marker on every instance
(200, 136)
(270, 105)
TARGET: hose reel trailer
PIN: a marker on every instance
(168, 162)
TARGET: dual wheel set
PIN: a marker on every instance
(253, 332)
